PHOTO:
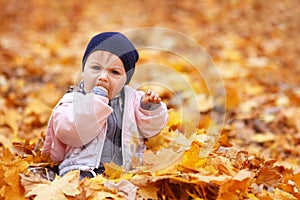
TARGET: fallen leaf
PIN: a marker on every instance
(147, 192)
(236, 188)
(123, 186)
(191, 159)
(60, 188)
(161, 160)
(112, 170)
(268, 176)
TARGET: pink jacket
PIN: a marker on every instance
(80, 120)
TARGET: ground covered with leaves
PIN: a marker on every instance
(252, 154)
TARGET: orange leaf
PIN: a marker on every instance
(60, 188)
(235, 188)
(191, 159)
(268, 176)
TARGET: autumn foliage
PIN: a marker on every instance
(252, 154)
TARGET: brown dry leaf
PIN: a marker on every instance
(268, 176)
(23, 149)
(242, 160)
(236, 188)
(60, 188)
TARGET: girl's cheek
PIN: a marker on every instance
(117, 89)
(89, 84)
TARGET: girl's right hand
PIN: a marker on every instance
(151, 97)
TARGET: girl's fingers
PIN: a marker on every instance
(155, 98)
(152, 97)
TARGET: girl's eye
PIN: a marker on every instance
(115, 72)
(96, 68)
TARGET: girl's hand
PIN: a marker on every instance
(151, 97)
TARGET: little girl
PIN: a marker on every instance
(103, 119)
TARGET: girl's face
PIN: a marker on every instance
(104, 69)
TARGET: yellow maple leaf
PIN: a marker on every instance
(148, 192)
(12, 193)
(59, 189)
(12, 186)
(112, 170)
(191, 159)
(92, 186)
(6, 155)
(162, 160)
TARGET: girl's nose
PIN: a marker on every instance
(103, 76)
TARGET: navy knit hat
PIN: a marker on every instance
(118, 44)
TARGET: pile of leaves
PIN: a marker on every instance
(174, 169)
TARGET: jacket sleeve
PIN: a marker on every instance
(52, 145)
(79, 121)
(150, 122)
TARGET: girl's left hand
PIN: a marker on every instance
(151, 97)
